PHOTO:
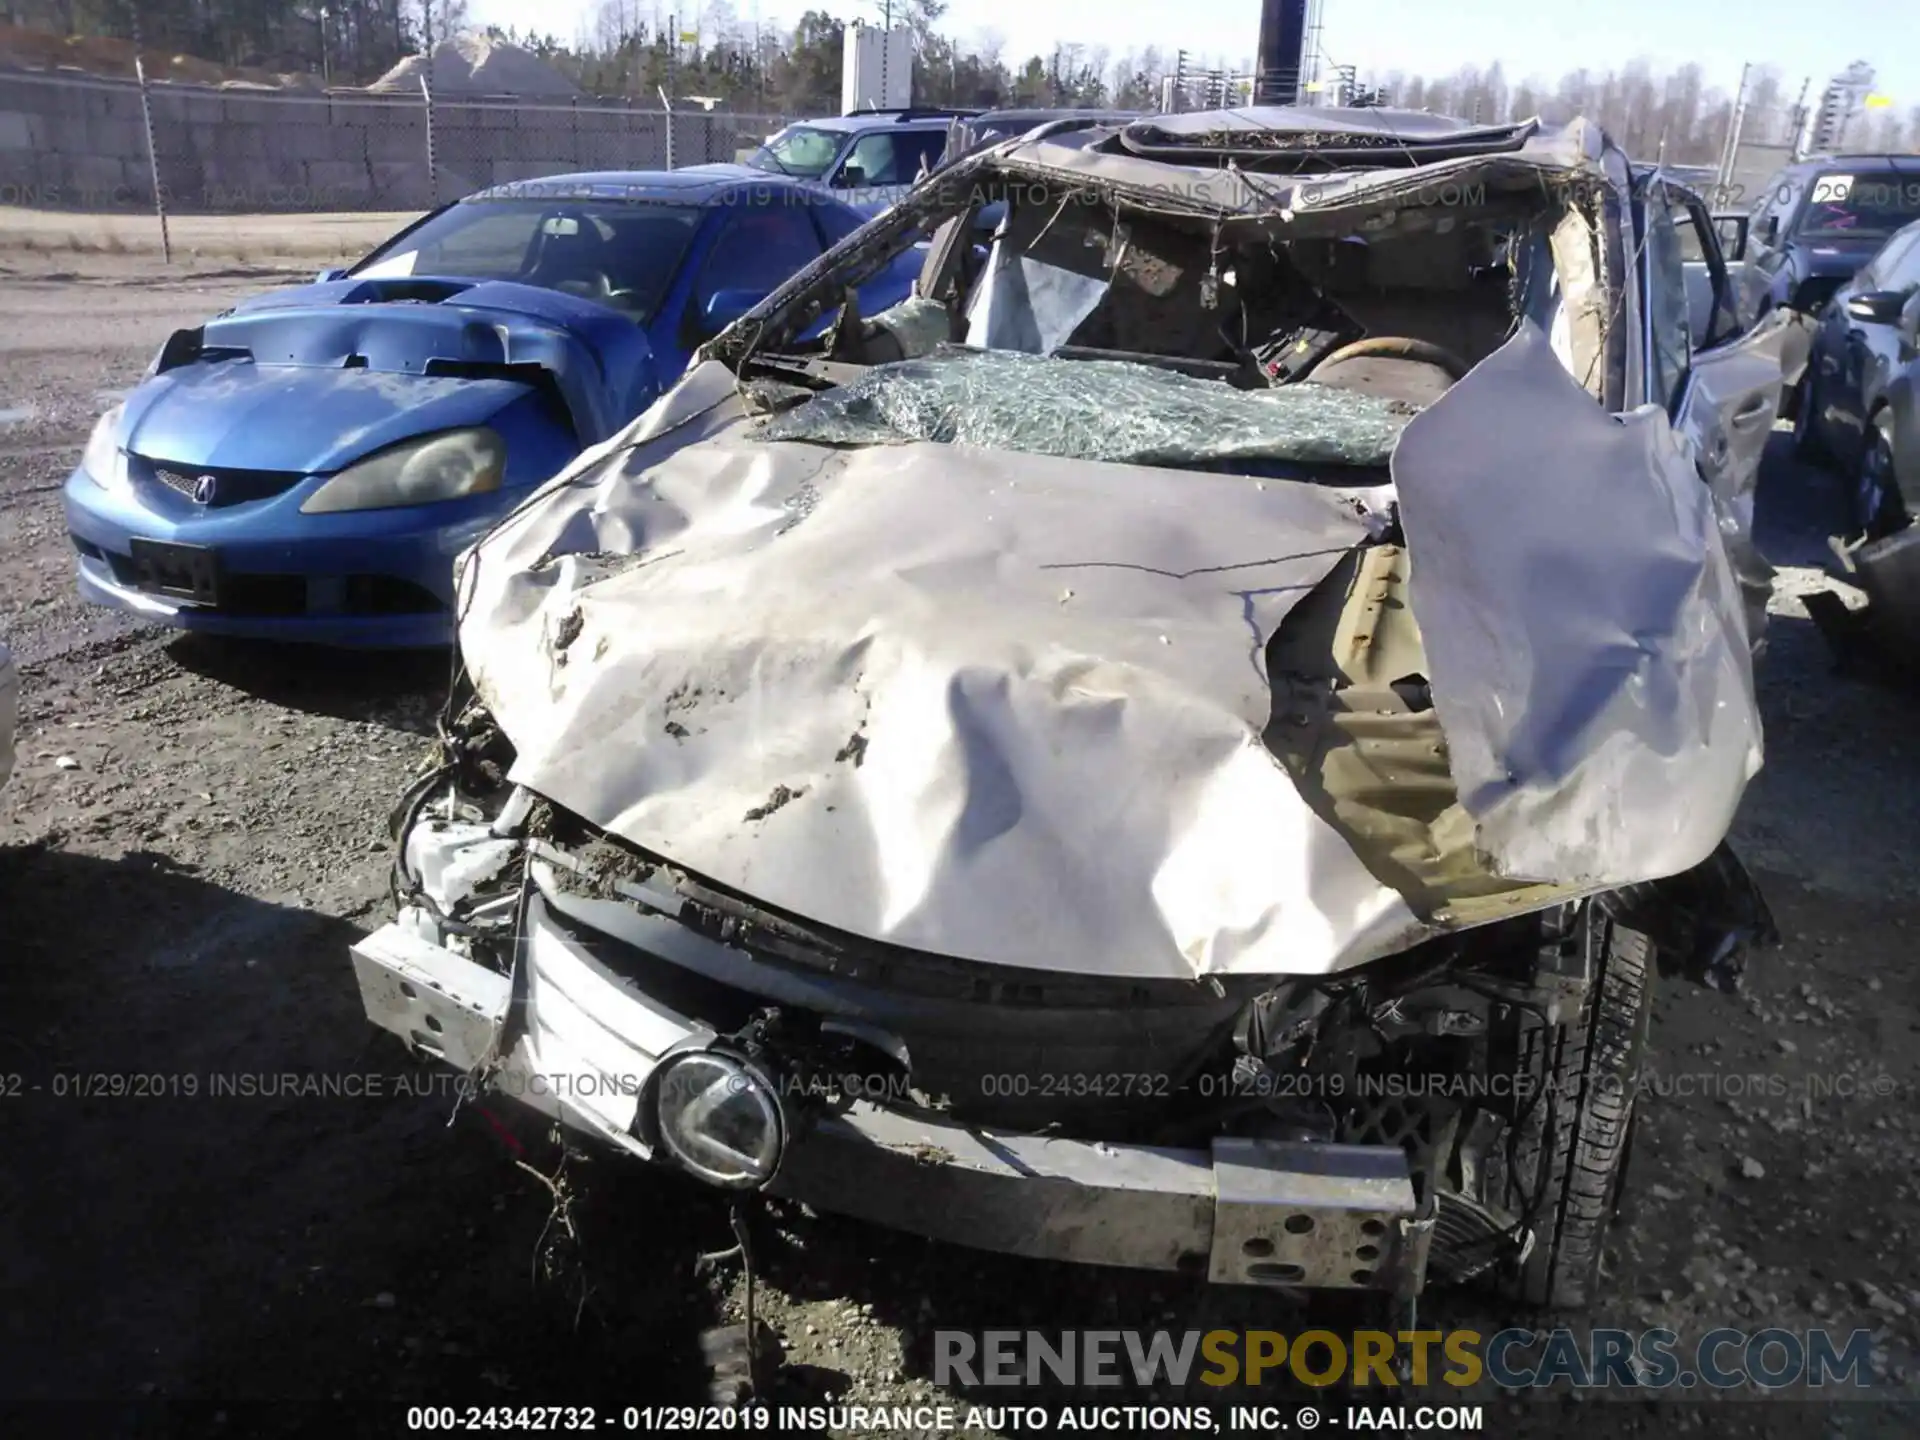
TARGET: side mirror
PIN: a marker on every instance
(338, 272)
(723, 307)
(1771, 234)
(1732, 230)
(1877, 307)
(852, 177)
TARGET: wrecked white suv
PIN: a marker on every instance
(1185, 745)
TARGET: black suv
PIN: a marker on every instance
(1815, 223)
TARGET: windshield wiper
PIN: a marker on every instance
(763, 150)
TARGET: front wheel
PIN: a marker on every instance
(1877, 495)
(1571, 1149)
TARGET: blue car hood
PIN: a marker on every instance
(240, 414)
(597, 362)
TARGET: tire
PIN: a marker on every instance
(1572, 1146)
(1808, 443)
(1876, 494)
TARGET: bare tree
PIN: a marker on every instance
(438, 20)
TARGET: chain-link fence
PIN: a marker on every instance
(91, 146)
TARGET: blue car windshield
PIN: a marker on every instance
(620, 252)
(798, 150)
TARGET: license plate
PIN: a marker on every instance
(180, 572)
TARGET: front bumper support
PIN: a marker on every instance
(1245, 1211)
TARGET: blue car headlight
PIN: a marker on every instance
(103, 461)
(446, 466)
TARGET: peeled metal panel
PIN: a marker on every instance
(1583, 626)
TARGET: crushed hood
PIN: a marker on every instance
(1009, 707)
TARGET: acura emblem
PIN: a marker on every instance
(203, 490)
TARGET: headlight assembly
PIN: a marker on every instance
(720, 1119)
(446, 466)
(103, 461)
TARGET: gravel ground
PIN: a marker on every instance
(195, 833)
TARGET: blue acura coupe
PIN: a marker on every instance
(308, 465)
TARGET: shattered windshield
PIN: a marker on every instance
(1095, 410)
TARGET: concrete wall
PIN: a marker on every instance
(74, 144)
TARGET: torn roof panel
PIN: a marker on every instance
(1578, 148)
(1319, 137)
(1413, 126)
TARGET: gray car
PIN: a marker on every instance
(1189, 744)
(869, 158)
(1860, 401)
(1815, 223)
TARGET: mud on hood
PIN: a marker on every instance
(1011, 707)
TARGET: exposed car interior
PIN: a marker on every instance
(1401, 312)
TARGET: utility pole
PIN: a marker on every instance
(1799, 119)
(153, 155)
(667, 95)
(426, 109)
(1724, 176)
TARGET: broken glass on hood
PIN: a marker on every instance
(1110, 410)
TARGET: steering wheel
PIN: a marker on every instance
(1395, 347)
(594, 285)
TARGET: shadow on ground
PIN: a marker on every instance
(403, 689)
(224, 1184)
(1797, 505)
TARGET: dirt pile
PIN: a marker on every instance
(479, 65)
(108, 58)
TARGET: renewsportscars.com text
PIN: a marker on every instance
(1517, 1359)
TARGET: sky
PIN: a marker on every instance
(1429, 37)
